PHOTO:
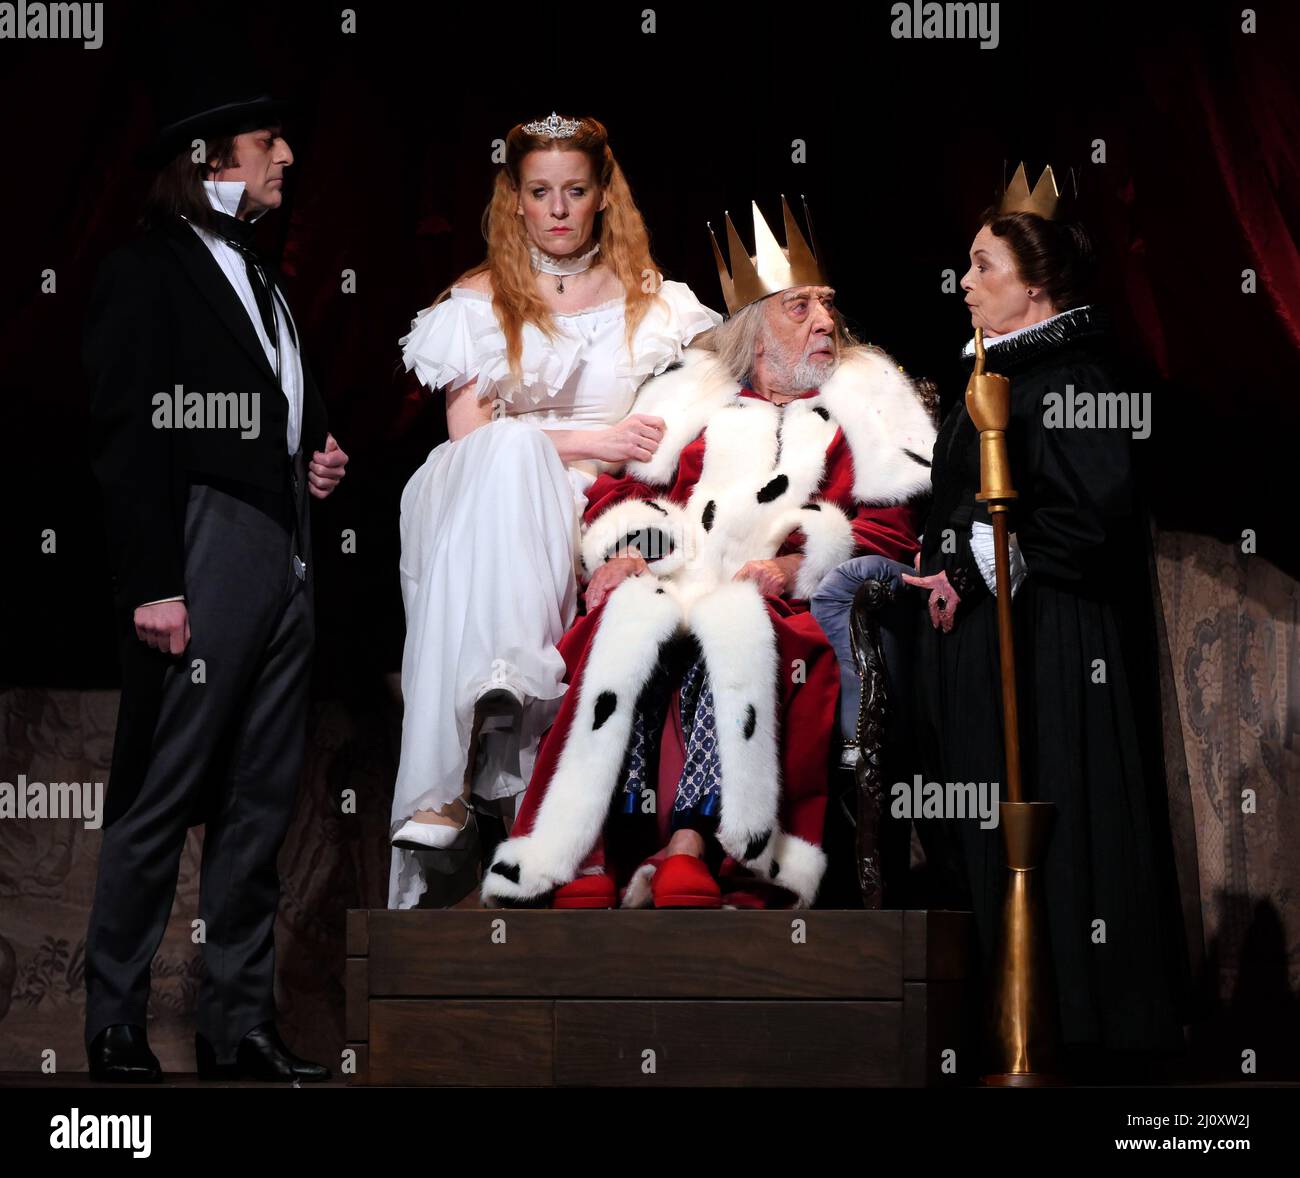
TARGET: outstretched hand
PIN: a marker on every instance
(943, 599)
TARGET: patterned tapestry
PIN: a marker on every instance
(1232, 625)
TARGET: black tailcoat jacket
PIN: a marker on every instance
(162, 314)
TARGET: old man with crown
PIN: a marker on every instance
(688, 764)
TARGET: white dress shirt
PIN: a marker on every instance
(224, 196)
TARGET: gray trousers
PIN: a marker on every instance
(234, 739)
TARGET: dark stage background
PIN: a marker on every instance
(905, 142)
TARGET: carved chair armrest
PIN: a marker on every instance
(864, 636)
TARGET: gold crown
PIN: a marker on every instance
(1043, 200)
(771, 269)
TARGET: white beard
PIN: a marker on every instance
(793, 374)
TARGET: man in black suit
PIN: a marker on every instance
(204, 412)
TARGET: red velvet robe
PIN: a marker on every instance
(808, 714)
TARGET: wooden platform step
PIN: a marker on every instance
(612, 998)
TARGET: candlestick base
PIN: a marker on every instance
(1023, 1016)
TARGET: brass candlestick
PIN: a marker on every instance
(1023, 1019)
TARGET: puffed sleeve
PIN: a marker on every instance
(675, 318)
(453, 341)
(460, 339)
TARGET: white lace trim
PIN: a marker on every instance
(981, 546)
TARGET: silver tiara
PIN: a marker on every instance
(554, 127)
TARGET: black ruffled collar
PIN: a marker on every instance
(1017, 351)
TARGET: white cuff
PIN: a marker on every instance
(160, 601)
(981, 546)
(658, 527)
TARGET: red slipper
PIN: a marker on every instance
(587, 891)
(683, 881)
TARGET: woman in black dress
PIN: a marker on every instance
(1085, 644)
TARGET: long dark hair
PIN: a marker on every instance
(177, 189)
(1056, 256)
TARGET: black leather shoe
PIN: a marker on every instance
(120, 1055)
(261, 1055)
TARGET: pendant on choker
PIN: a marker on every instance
(560, 267)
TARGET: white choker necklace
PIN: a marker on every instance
(560, 267)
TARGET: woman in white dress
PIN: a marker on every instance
(540, 349)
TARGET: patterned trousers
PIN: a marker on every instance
(698, 796)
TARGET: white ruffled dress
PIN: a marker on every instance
(489, 530)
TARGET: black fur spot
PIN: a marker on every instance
(653, 543)
(821, 412)
(756, 845)
(774, 870)
(812, 507)
(751, 719)
(706, 520)
(774, 490)
(656, 506)
(916, 457)
(606, 702)
(511, 871)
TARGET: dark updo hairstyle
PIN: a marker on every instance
(1055, 256)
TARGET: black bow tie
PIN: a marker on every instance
(239, 235)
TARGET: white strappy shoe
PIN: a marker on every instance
(433, 836)
(497, 708)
